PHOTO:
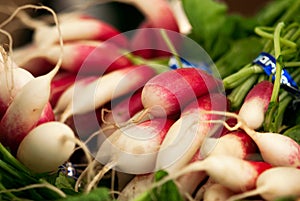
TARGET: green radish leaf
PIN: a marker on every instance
(293, 133)
(64, 182)
(98, 194)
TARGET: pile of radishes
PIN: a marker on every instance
(79, 83)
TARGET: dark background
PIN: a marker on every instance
(122, 16)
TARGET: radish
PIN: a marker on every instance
(26, 108)
(275, 183)
(122, 112)
(168, 92)
(79, 28)
(97, 93)
(236, 143)
(46, 147)
(137, 143)
(217, 192)
(188, 133)
(236, 174)
(12, 79)
(275, 148)
(138, 185)
(88, 57)
(61, 82)
(256, 104)
(66, 97)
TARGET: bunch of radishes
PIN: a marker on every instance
(80, 79)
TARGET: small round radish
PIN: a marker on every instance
(46, 147)
(256, 104)
(275, 183)
(168, 92)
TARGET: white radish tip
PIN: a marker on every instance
(46, 147)
(252, 112)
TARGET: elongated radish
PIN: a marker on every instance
(121, 112)
(168, 92)
(67, 95)
(236, 143)
(79, 28)
(187, 134)
(256, 104)
(46, 147)
(97, 93)
(275, 183)
(276, 149)
(217, 192)
(137, 143)
(88, 57)
(236, 174)
(12, 79)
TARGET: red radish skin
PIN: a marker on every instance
(236, 174)
(67, 95)
(236, 143)
(125, 109)
(102, 90)
(188, 133)
(16, 123)
(79, 28)
(88, 57)
(149, 42)
(274, 183)
(137, 143)
(256, 104)
(61, 82)
(168, 92)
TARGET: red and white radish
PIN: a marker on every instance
(81, 27)
(275, 148)
(67, 95)
(170, 91)
(188, 133)
(236, 174)
(256, 104)
(236, 143)
(137, 143)
(97, 93)
(12, 79)
(88, 57)
(275, 183)
(46, 147)
(60, 83)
